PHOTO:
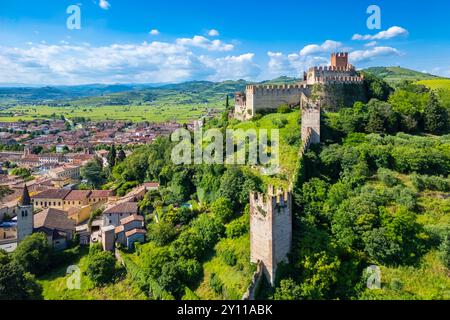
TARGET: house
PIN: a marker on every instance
(128, 224)
(56, 225)
(78, 198)
(52, 198)
(65, 172)
(133, 236)
(78, 203)
(115, 213)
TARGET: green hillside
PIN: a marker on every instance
(397, 74)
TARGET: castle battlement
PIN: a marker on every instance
(338, 79)
(274, 201)
(251, 88)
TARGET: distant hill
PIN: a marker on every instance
(397, 74)
(178, 93)
(282, 80)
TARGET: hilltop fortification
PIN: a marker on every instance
(327, 83)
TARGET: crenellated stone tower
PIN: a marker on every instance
(270, 229)
(310, 121)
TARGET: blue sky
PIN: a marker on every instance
(212, 40)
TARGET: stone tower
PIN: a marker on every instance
(339, 60)
(25, 223)
(310, 121)
(270, 229)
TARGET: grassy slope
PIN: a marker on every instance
(55, 287)
(429, 279)
(288, 153)
(236, 279)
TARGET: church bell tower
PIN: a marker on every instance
(25, 223)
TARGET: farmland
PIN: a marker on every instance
(154, 113)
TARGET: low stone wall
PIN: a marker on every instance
(255, 284)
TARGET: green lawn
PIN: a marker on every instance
(55, 286)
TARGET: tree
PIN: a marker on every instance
(93, 173)
(161, 233)
(101, 267)
(222, 209)
(121, 156)
(288, 290)
(231, 185)
(381, 117)
(435, 116)
(112, 156)
(227, 102)
(376, 87)
(16, 283)
(379, 247)
(21, 172)
(33, 253)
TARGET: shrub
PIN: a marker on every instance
(229, 257)
(216, 284)
(280, 123)
(33, 253)
(387, 177)
(434, 183)
(238, 227)
(161, 233)
(222, 209)
(284, 108)
(444, 251)
(101, 267)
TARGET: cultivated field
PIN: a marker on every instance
(154, 113)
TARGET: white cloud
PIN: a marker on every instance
(371, 44)
(204, 43)
(327, 46)
(104, 4)
(392, 32)
(370, 54)
(153, 62)
(232, 67)
(213, 33)
(291, 64)
(154, 32)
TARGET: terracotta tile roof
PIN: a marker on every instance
(119, 229)
(52, 194)
(53, 219)
(134, 231)
(100, 194)
(78, 195)
(125, 207)
(151, 185)
(132, 218)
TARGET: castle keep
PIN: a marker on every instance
(262, 97)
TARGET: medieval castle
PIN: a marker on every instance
(271, 214)
(268, 97)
